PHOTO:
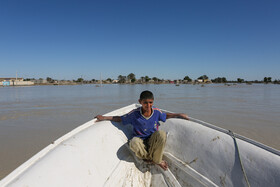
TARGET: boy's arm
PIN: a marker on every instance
(176, 115)
(110, 118)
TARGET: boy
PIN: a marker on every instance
(147, 142)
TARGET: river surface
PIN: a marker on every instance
(33, 117)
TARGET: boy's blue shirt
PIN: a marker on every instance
(143, 127)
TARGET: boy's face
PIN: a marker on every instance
(146, 103)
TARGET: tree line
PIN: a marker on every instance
(131, 78)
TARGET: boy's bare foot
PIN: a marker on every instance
(163, 165)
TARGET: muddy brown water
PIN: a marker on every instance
(33, 117)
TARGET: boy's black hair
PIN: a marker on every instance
(146, 95)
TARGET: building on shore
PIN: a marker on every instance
(40, 81)
(15, 82)
(207, 81)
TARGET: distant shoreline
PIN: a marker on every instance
(98, 84)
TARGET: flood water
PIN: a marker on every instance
(32, 117)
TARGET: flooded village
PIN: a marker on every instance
(129, 79)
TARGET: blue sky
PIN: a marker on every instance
(66, 39)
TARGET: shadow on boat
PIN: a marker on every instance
(125, 154)
(237, 173)
(126, 129)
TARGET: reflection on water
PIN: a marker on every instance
(33, 117)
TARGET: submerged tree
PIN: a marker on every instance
(239, 80)
(267, 79)
(219, 80)
(187, 78)
(155, 79)
(203, 77)
(50, 80)
(131, 77)
(122, 79)
(147, 79)
(80, 80)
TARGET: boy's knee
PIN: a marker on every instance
(137, 146)
(161, 134)
(135, 141)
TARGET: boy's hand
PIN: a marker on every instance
(99, 118)
(184, 116)
(110, 118)
(177, 115)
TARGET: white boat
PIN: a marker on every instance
(198, 153)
